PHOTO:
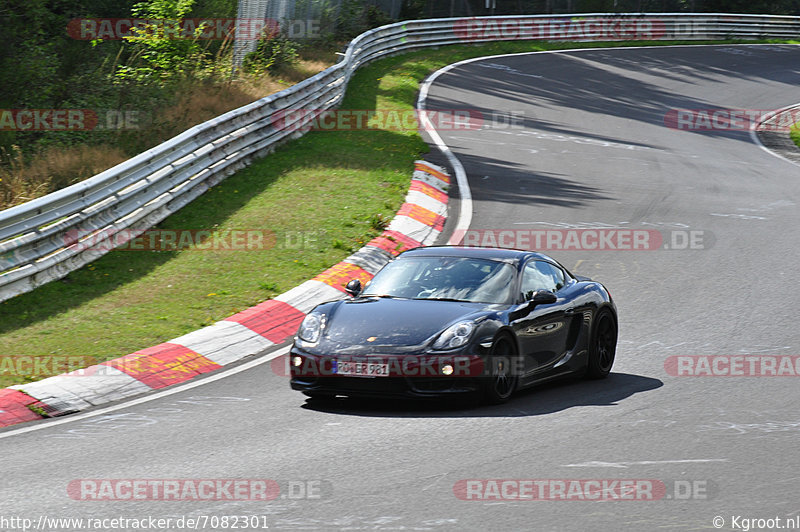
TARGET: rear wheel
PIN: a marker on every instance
(501, 372)
(602, 345)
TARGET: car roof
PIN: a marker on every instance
(502, 254)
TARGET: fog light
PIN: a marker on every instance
(297, 361)
(447, 369)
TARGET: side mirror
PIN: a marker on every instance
(353, 287)
(542, 297)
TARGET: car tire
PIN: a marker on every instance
(501, 380)
(602, 345)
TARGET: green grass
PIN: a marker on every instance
(794, 134)
(334, 188)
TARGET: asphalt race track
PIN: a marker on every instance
(589, 150)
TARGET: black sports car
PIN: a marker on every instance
(445, 320)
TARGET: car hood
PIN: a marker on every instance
(401, 324)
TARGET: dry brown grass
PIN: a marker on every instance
(24, 178)
(195, 105)
(202, 102)
(305, 68)
(52, 169)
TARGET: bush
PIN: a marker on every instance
(154, 56)
(353, 19)
(412, 9)
(270, 55)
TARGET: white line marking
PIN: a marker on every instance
(625, 465)
(754, 133)
(169, 391)
(465, 205)
(738, 216)
(465, 213)
(509, 69)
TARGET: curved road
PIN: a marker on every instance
(591, 150)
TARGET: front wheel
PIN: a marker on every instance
(501, 372)
(602, 346)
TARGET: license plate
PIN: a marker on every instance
(360, 369)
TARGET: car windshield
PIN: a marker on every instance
(447, 278)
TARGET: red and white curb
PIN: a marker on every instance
(419, 222)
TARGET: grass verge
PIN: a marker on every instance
(794, 134)
(322, 196)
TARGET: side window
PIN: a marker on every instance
(540, 275)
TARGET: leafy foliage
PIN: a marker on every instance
(271, 54)
(156, 54)
(355, 18)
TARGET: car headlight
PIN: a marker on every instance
(311, 328)
(455, 336)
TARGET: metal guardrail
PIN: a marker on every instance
(44, 239)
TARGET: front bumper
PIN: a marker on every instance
(413, 376)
